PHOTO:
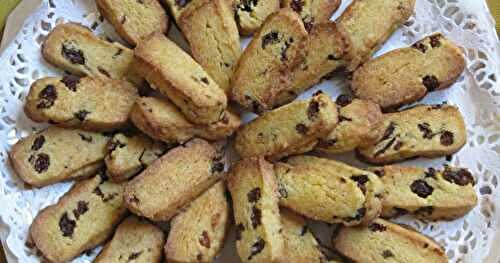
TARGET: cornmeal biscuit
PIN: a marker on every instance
(174, 180)
(291, 129)
(313, 12)
(328, 190)
(384, 241)
(300, 244)
(251, 14)
(129, 154)
(197, 234)
(257, 217)
(406, 75)
(263, 69)
(162, 120)
(74, 48)
(321, 55)
(429, 194)
(213, 36)
(175, 74)
(360, 125)
(86, 103)
(134, 20)
(367, 24)
(422, 131)
(82, 219)
(56, 155)
(135, 240)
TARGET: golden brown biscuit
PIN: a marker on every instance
(250, 14)
(313, 12)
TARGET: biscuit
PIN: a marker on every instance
(213, 36)
(263, 68)
(86, 103)
(301, 245)
(328, 190)
(73, 47)
(197, 234)
(384, 241)
(406, 75)
(177, 7)
(423, 131)
(176, 75)
(291, 129)
(360, 125)
(82, 219)
(134, 20)
(135, 240)
(162, 120)
(251, 14)
(428, 194)
(367, 24)
(313, 12)
(321, 55)
(256, 213)
(56, 155)
(174, 180)
(129, 154)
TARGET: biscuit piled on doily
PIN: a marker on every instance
(144, 131)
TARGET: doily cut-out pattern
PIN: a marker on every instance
(477, 93)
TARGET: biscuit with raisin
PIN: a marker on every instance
(251, 14)
(313, 12)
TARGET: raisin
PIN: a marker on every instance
(47, 97)
(66, 225)
(256, 217)
(361, 180)
(301, 128)
(387, 146)
(246, 5)
(344, 118)
(460, 177)
(297, 5)
(420, 47)
(376, 227)
(182, 3)
(387, 254)
(38, 143)
(360, 213)
(109, 197)
(308, 24)
(282, 190)
(430, 173)
(86, 138)
(217, 167)
(430, 82)
(81, 115)
(74, 55)
(343, 100)
(118, 53)
(446, 138)
(239, 230)
(398, 145)
(134, 256)
(254, 195)
(98, 192)
(425, 128)
(81, 208)
(333, 57)
(71, 81)
(389, 131)
(41, 163)
(205, 80)
(199, 257)
(257, 247)
(426, 210)
(435, 41)
(421, 188)
(123, 20)
(380, 172)
(204, 239)
(269, 39)
(104, 72)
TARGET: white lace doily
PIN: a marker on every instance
(477, 93)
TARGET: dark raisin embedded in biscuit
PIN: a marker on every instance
(104, 72)
(361, 180)
(282, 191)
(430, 173)
(205, 80)
(398, 145)
(71, 81)
(297, 5)
(301, 128)
(387, 254)
(343, 100)
(118, 53)
(460, 177)
(182, 3)
(420, 46)
(47, 97)
(308, 23)
(98, 192)
(217, 167)
(284, 49)
(344, 118)
(38, 143)
(376, 227)
(360, 213)
(256, 217)
(246, 5)
(333, 57)
(389, 131)
(81, 115)
(254, 195)
(379, 172)
(421, 188)
(425, 128)
(204, 239)
(81, 208)
(134, 256)
(436, 41)
(72, 54)
(387, 146)
(446, 138)
(270, 38)
(86, 138)
(109, 197)
(239, 230)
(40, 163)
(257, 247)
(430, 82)
(66, 225)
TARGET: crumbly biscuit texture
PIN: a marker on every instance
(291, 129)
(162, 120)
(429, 194)
(176, 75)
(198, 233)
(263, 69)
(313, 12)
(251, 14)
(254, 192)
(82, 219)
(74, 48)
(422, 131)
(135, 240)
(184, 173)
(86, 103)
(54, 155)
(134, 20)
(383, 241)
(328, 190)
(406, 75)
